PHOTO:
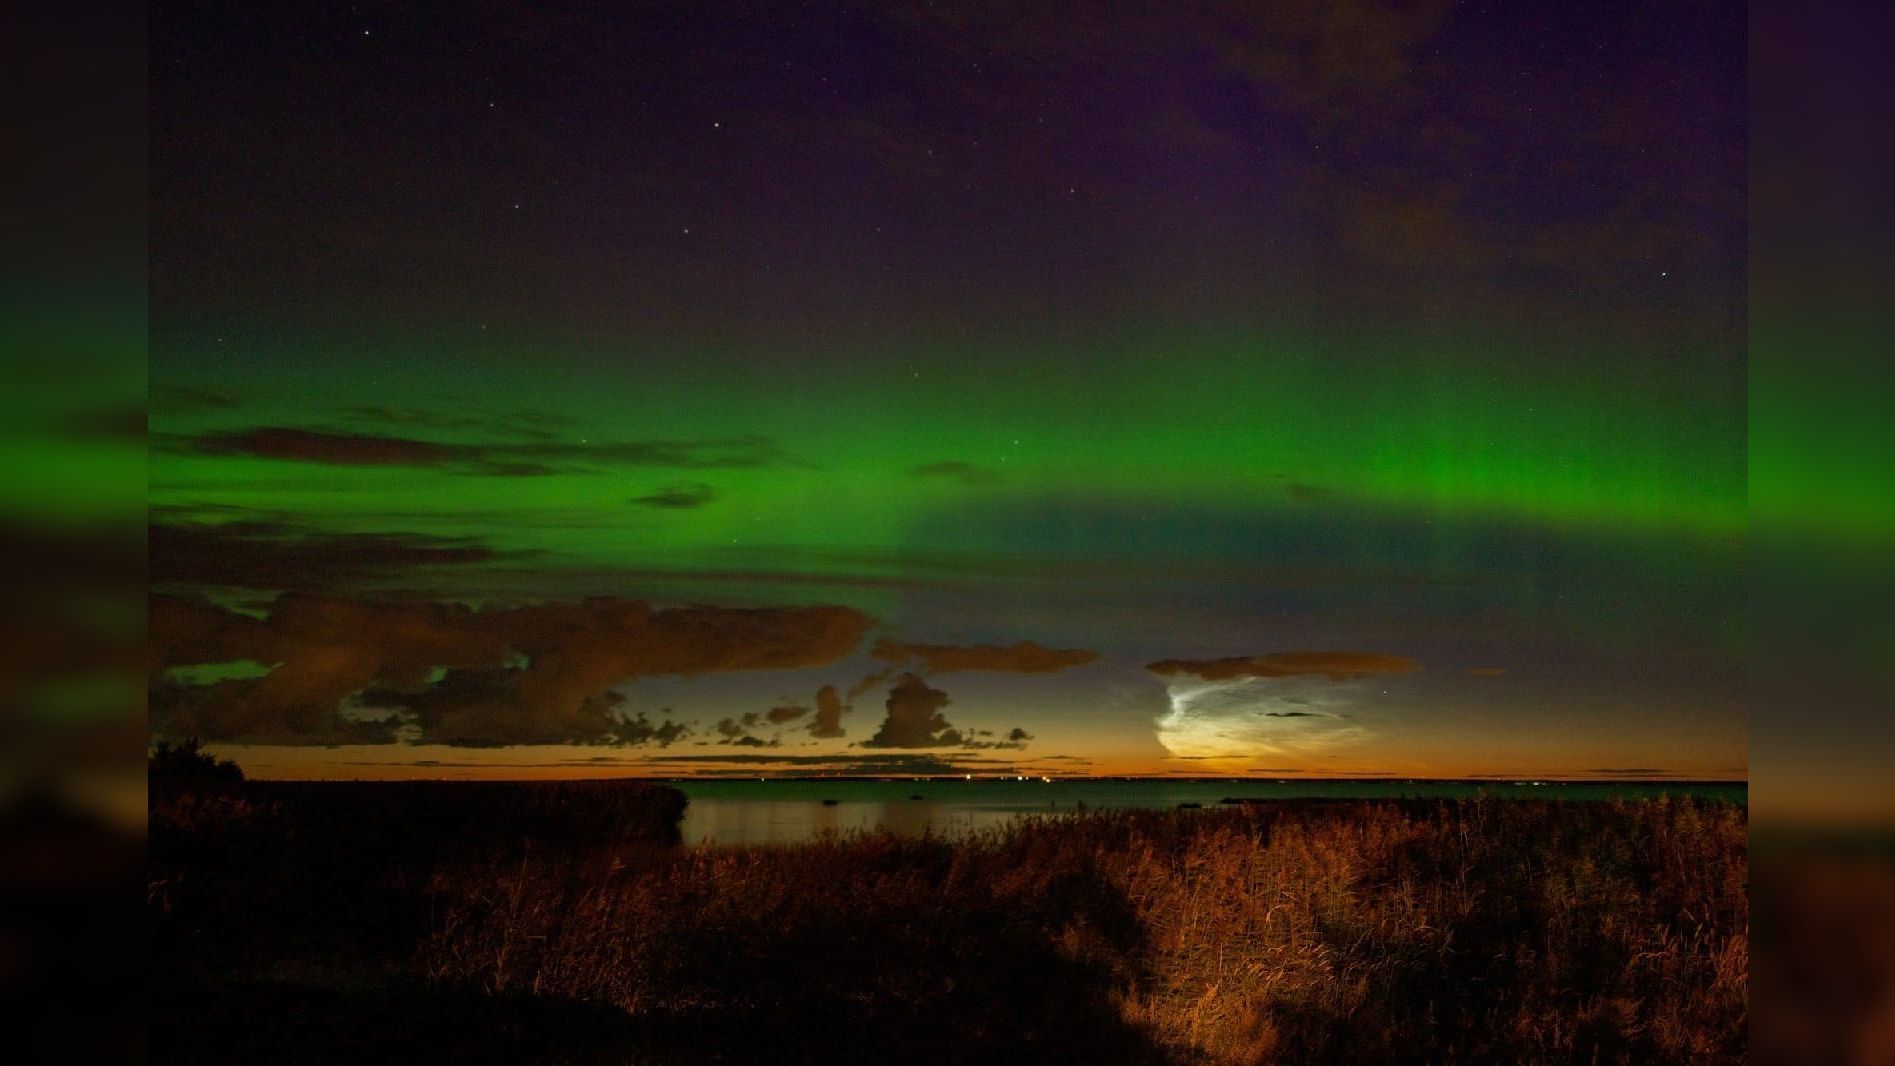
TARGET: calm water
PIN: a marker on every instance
(790, 812)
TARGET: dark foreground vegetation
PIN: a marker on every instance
(561, 923)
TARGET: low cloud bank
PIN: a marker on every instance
(351, 671)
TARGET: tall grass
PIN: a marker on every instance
(560, 923)
(1411, 931)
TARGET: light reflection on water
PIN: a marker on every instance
(793, 812)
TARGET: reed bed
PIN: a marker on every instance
(1400, 931)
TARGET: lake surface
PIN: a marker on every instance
(792, 812)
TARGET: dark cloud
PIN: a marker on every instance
(1335, 665)
(956, 470)
(682, 497)
(830, 708)
(269, 555)
(735, 728)
(1025, 657)
(317, 446)
(788, 712)
(1633, 771)
(915, 719)
(1292, 714)
(542, 673)
(985, 740)
(295, 710)
(505, 459)
(639, 730)
(463, 705)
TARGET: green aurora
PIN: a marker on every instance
(1409, 337)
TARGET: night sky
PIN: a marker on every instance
(1334, 388)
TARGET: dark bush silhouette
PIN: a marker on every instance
(187, 761)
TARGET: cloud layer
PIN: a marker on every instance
(1335, 665)
(343, 670)
(272, 555)
(514, 458)
(1025, 657)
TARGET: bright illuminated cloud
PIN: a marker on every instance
(1242, 718)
